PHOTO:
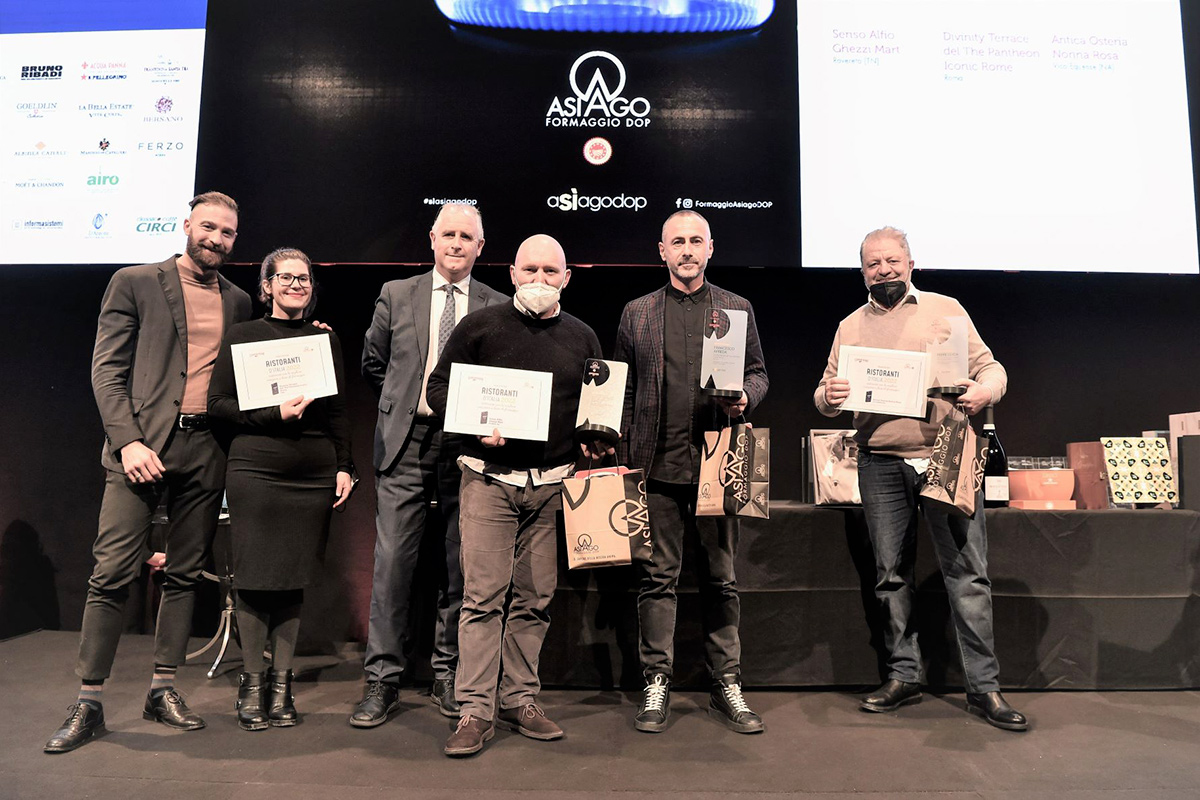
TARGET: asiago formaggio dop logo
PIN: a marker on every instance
(598, 103)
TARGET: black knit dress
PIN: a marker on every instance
(281, 476)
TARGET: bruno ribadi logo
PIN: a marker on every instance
(597, 80)
(42, 73)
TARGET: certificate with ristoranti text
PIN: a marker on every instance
(271, 372)
(515, 402)
(884, 381)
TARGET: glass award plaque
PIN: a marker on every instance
(723, 358)
(601, 401)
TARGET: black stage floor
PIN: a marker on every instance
(817, 744)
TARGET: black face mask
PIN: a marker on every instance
(888, 293)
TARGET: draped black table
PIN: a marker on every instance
(1082, 600)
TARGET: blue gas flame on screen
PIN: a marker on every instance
(611, 16)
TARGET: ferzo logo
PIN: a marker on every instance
(574, 201)
(597, 79)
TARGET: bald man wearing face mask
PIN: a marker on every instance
(510, 498)
(893, 453)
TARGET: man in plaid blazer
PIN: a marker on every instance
(665, 417)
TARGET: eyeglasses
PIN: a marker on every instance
(287, 278)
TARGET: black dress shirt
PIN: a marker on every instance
(680, 433)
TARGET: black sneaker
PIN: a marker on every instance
(656, 704)
(727, 706)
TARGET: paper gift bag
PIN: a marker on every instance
(605, 518)
(955, 473)
(735, 473)
(834, 458)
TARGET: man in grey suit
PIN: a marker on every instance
(415, 463)
(158, 334)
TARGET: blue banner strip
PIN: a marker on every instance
(63, 16)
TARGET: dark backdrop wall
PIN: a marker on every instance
(1088, 355)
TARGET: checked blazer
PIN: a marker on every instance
(640, 344)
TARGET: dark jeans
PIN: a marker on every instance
(425, 470)
(672, 518)
(890, 494)
(193, 487)
(509, 547)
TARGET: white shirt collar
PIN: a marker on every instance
(439, 281)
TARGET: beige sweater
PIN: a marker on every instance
(919, 320)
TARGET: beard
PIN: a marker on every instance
(693, 267)
(204, 257)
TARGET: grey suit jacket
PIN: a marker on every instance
(394, 354)
(139, 364)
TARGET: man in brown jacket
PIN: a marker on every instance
(159, 331)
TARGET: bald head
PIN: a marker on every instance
(541, 248)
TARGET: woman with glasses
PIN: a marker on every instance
(289, 466)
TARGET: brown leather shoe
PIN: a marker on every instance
(469, 736)
(529, 720)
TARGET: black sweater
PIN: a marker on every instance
(325, 416)
(502, 336)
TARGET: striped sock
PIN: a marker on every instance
(92, 693)
(164, 678)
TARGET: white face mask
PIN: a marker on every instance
(537, 298)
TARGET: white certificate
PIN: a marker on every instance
(270, 372)
(884, 381)
(515, 402)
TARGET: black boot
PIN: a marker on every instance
(252, 716)
(280, 711)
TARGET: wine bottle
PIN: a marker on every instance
(995, 471)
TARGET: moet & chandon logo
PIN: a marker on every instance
(601, 102)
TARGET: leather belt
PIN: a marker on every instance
(193, 422)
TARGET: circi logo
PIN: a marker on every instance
(163, 105)
(597, 150)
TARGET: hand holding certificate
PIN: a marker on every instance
(515, 402)
(270, 372)
(884, 381)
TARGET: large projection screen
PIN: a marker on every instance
(100, 105)
(1002, 135)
